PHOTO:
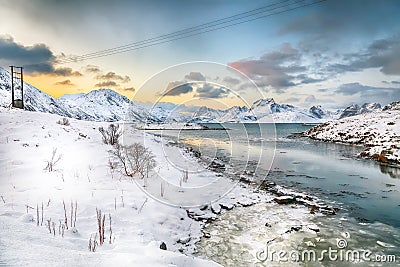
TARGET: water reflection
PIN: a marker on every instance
(391, 171)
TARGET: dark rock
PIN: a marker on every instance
(284, 200)
(163, 246)
(296, 228)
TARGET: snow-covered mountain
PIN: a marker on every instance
(355, 109)
(98, 105)
(105, 105)
(108, 105)
(34, 99)
(392, 106)
(166, 112)
(264, 110)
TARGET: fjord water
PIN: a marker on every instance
(366, 192)
(330, 171)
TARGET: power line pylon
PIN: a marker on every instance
(17, 82)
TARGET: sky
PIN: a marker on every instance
(333, 53)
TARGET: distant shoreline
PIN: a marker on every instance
(183, 129)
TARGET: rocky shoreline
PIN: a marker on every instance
(245, 194)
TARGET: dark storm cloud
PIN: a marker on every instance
(129, 89)
(332, 19)
(92, 69)
(107, 84)
(211, 91)
(36, 59)
(279, 69)
(231, 80)
(178, 88)
(65, 72)
(113, 76)
(355, 88)
(195, 76)
(10, 50)
(358, 91)
(382, 54)
(330, 30)
(39, 55)
(65, 83)
(305, 79)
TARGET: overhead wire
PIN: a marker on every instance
(215, 25)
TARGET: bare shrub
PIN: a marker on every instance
(111, 135)
(109, 215)
(141, 207)
(41, 222)
(64, 121)
(100, 223)
(162, 189)
(93, 243)
(65, 216)
(134, 159)
(53, 161)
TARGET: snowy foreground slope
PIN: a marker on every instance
(139, 226)
(83, 177)
(379, 131)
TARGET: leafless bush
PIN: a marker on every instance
(73, 214)
(109, 215)
(48, 225)
(111, 135)
(100, 223)
(54, 228)
(65, 216)
(41, 222)
(141, 207)
(134, 159)
(28, 207)
(53, 161)
(76, 207)
(64, 121)
(162, 189)
(93, 243)
(37, 215)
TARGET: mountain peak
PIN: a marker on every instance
(263, 102)
(355, 109)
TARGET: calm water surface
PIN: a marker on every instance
(366, 192)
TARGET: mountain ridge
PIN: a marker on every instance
(107, 105)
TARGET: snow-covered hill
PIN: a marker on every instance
(98, 105)
(105, 105)
(82, 176)
(34, 99)
(379, 131)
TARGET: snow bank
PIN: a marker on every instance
(378, 131)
